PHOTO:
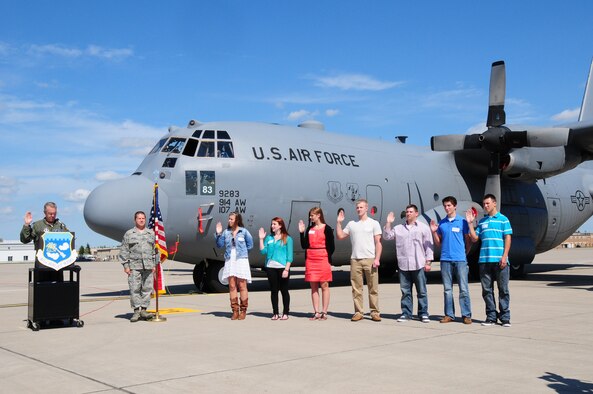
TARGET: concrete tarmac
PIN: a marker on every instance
(548, 348)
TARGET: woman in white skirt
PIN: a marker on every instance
(237, 242)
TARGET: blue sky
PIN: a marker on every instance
(88, 87)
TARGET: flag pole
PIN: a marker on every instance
(157, 317)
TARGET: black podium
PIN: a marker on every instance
(56, 299)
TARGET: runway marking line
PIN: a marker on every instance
(171, 311)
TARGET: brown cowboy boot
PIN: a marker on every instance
(244, 304)
(235, 308)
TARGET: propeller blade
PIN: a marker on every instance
(493, 186)
(453, 142)
(449, 142)
(493, 179)
(496, 114)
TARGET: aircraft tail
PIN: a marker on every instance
(586, 114)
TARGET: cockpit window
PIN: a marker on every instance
(175, 145)
(158, 146)
(197, 133)
(206, 149)
(208, 134)
(225, 149)
(170, 162)
(223, 135)
(190, 147)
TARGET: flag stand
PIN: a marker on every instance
(157, 317)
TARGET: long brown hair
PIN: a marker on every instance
(238, 219)
(317, 211)
(283, 231)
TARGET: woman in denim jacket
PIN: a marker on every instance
(237, 241)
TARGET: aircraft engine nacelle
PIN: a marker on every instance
(537, 163)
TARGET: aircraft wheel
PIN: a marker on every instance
(214, 277)
(35, 326)
(517, 271)
(79, 323)
(199, 275)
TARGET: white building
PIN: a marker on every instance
(15, 251)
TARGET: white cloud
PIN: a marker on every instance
(106, 53)
(47, 85)
(8, 185)
(478, 128)
(5, 49)
(77, 195)
(104, 176)
(453, 99)
(354, 82)
(300, 114)
(92, 50)
(568, 115)
(55, 49)
(7, 210)
(332, 112)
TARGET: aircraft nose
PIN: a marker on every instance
(109, 209)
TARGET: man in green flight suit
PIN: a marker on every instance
(33, 232)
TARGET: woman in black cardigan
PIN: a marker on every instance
(318, 242)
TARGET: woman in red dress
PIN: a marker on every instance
(318, 242)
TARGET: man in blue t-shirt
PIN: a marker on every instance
(452, 234)
(495, 232)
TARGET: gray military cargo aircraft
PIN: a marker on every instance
(207, 170)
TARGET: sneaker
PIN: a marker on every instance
(135, 317)
(488, 323)
(447, 319)
(375, 317)
(425, 319)
(403, 319)
(506, 323)
(357, 317)
(467, 320)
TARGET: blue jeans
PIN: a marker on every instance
(406, 279)
(460, 270)
(490, 272)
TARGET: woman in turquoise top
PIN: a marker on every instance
(278, 250)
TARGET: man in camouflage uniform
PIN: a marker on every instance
(34, 232)
(138, 258)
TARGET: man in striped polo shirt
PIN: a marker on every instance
(495, 232)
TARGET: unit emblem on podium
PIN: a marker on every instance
(57, 250)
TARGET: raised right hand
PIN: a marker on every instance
(433, 226)
(301, 226)
(28, 218)
(390, 217)
(218, 228)
(469, 215)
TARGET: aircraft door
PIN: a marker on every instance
(554, 217)
(375, 200)
(414, 196)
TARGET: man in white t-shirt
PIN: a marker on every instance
(365, 235)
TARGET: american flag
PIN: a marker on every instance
(156, 222)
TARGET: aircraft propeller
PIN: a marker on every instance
(498, 140)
